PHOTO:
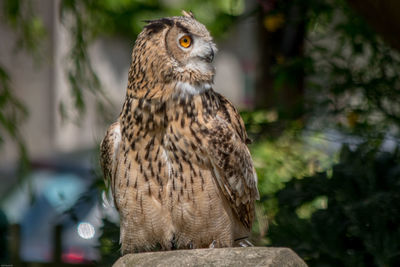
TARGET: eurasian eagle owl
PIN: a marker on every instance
(176, 159)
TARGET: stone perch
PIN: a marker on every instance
(240, 257)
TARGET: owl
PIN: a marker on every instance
(176, 160)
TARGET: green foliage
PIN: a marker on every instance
(351, 75)
(109, 243)
(358, 226)
(12, 114)
(278, 161)
(127, 18)
(28, 27)
(19, 15)
(282, 159)
(80, 73)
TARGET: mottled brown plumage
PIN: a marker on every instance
(176, 160)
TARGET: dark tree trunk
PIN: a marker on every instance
(285, 91)
(383, 16)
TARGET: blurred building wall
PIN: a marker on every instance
(31, 83)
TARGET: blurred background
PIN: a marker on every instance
(316, 81)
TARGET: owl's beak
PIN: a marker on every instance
(210, 56)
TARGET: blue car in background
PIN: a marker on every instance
(57, 192)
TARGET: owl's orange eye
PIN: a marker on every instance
(185, 41)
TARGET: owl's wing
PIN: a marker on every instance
(109, 152)
(232, 163)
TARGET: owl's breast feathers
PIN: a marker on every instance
(203, 128)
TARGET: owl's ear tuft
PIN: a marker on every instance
(188, 14)
(155, 26)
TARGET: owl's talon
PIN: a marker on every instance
(212, 245)
(245, 243)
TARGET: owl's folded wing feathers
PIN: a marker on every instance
(109, 152)
(232, 163)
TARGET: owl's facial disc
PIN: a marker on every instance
(191, 50)
(197, 47)
(197, 56)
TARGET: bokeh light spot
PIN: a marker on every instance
(86, 230)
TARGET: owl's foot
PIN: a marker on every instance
(245, 243)
(212, 245)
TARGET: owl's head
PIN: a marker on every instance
(175, 49)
